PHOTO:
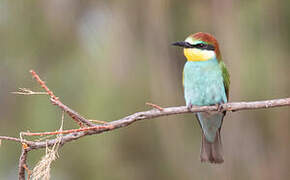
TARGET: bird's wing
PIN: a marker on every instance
(226, 77)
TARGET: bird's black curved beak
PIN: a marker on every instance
(182, 44)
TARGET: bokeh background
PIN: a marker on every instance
(105, 59)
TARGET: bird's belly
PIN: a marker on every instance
(203, 94)
(204, 88)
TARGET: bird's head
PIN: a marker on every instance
(200, 47)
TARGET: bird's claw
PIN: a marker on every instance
(189, 106)
(219, 108)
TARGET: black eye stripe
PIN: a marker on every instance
(203, 46)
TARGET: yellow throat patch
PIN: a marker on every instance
(194, 54)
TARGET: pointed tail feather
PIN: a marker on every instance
(212, 152)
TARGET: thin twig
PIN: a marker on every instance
(25, 91)
(98, 121)
(22, 164)
(73, 114)
(42, 84)
(15, 139)
(67, 131)
(154, 106)
(29, 172)
(57, 102)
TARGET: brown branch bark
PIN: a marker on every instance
(73, 114)
(154, 113)
(157, 111)
(22, 164)
(14, 139)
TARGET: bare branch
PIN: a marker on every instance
(157, 111)
(154, 113)
(15, 139)
(25, 91)
(65, 131)
(42, 84)
(154, 106)
(98, 121)
(73, 114)
(22, 164)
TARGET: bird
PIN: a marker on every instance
(206, 82)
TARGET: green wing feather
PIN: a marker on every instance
(226, 77)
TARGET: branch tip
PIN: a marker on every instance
(155, 106)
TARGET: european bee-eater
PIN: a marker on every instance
(206, 82)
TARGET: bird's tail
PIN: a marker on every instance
(212, 152)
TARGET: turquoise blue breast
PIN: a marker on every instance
(203, 83)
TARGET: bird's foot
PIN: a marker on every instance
(189, 106)
(219, 107)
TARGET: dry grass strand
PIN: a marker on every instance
(42, 169)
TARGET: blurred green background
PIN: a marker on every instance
(105, 59)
